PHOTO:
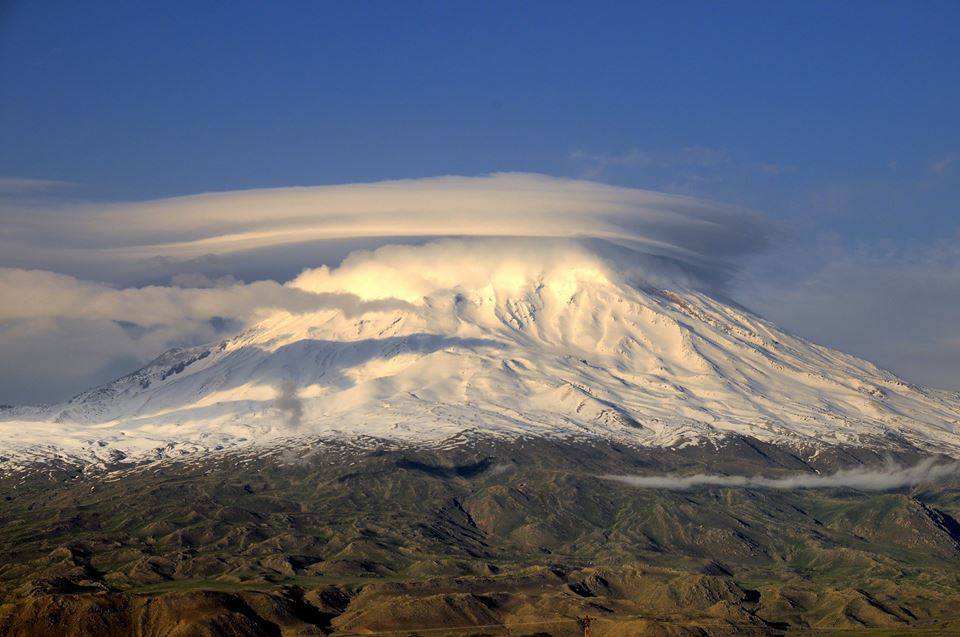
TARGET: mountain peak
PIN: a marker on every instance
(553, 343)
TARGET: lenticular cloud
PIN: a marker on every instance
(115, 284)
(706, 235)
(890, 476)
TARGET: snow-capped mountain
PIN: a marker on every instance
(568, 349)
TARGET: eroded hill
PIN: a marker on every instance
(338, 539)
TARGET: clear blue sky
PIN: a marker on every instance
(838, 111)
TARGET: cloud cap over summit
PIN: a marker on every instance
(706, 235)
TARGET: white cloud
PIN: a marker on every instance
(60, 335)
(413, 272)
(104, 329)
(703, 233)
(891, 476)
(48, 295)
(176, 264)
(173, 266)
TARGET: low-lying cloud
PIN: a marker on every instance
(40, 294)
(60, 335)
(890, 476)
(289, 404)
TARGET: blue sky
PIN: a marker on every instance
(837, 119)
(838, 111)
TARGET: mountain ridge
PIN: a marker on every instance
(571, 350)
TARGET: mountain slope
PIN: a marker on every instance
(342, 540)
(458, 443)
(568, 350)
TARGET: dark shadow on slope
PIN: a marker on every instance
(302, 363)
(438, 471)
(332, 357)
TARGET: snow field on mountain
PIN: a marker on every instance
(491, 339)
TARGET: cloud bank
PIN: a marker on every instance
(706, 235)
(169, 272)
(99, 289)
(47, 295)
(60, 335)
(890, 476)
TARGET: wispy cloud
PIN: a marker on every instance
(632, 156)
(701, 156)
(690, 169)
(26, 185)
(942, 165)
(288, 403)
(598, 162)
(771, 168)
(890, 476)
